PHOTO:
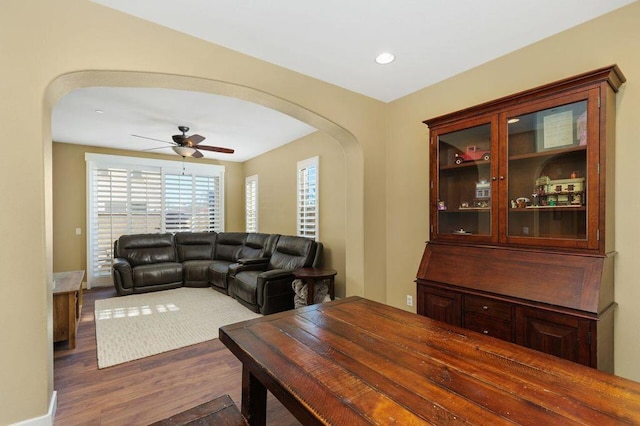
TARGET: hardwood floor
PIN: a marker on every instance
(146, 390)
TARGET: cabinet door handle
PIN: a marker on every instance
(493, 178)
(485, 307)
(485, 331)
(501, 177)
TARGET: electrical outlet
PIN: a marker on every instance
(409, 300)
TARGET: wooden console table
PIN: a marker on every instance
(354, 361)
(67, 304)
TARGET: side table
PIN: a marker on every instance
(312, 275)
(67, 304)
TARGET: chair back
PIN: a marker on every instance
(291, 253)
(229, 245)
(143, 249)
(258, 245)
(195, 245)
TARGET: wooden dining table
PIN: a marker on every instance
(355, 361)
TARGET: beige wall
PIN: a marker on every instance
(70, 205)
(50, 48)
(276, 172)
(614, 38)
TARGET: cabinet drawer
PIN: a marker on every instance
(488, 307)
(489, 326)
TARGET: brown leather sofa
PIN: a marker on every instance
(152, 262)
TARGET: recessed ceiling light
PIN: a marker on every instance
(385, 58)
(99, 111)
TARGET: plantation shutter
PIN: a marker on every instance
(192, 203)
(251, 203)
(307, 198)
(122, 201)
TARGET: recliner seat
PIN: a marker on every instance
(146, 262)
(196, 253)
(266, 287)
(227, 252)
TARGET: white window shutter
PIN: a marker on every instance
(251, 203)
(308, 198)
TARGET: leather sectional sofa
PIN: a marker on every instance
(254, 268)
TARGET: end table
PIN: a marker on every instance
(312, 275)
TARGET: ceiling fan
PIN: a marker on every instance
(188, 146)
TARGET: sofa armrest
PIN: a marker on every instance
(253, 260)
(275, 274)
(274, 291)
(235, 268)
(122, 273)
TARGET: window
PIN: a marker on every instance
(136, 195)
(251, 203)
(307, 200)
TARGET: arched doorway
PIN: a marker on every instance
(354, 235)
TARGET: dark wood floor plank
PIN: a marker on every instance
(147, 390)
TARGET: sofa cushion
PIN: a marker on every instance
(146, 249)
(196, 273)
(195, 245)
(258, 245)
(292, 253)
(229, 245)
(218, 272)
(244, 286)
(156, 274)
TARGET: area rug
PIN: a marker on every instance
(141, 325)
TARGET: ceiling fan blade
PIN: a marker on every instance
(153, 139)
(158, 147)
(197, 154)
(194, 140)
(216, 149)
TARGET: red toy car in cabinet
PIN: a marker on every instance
(473, 153)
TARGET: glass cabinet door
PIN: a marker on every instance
(464, 198)
(548, 179)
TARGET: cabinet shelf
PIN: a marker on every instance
(542, 154)
(530, 209)
(467, 210)
(466, 164)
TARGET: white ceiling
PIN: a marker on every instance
(248, 128)
(332, 40)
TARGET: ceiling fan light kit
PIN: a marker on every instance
(189, 146)
(184, 151)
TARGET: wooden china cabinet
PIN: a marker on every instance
(521, 240)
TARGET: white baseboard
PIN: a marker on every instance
(47, 419)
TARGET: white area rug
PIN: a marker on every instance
(140, 325)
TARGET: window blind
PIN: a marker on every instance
(251, 203)
(307, 198)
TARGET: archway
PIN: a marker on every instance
(354, 238)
